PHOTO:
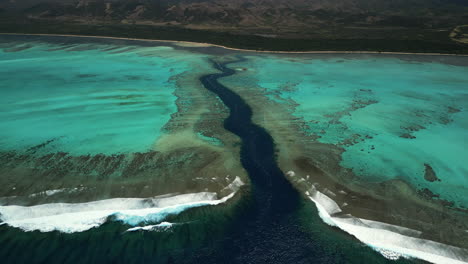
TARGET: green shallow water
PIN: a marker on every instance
(391, 115)
(87, 99)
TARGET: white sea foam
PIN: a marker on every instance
(56, 191)
(77, 217)
(234, 185)
(391, 241)
(164, 226)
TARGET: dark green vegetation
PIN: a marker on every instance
(297, 25)
(440, 45)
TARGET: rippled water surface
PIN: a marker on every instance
(87, 99)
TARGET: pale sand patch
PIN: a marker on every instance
(193, 44)
(237, 49)
(182, 139)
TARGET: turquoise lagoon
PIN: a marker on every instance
(80, 128)
(391, 114)
(87, 99)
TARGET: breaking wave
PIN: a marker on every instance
(78, 217)
(391, 241)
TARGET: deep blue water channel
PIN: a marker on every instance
(270, 230)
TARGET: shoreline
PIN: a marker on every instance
(236, 49)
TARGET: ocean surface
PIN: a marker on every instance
(75, 99)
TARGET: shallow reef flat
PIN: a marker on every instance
(86, 122)
(371, 137)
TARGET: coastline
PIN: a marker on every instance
(236, 49)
